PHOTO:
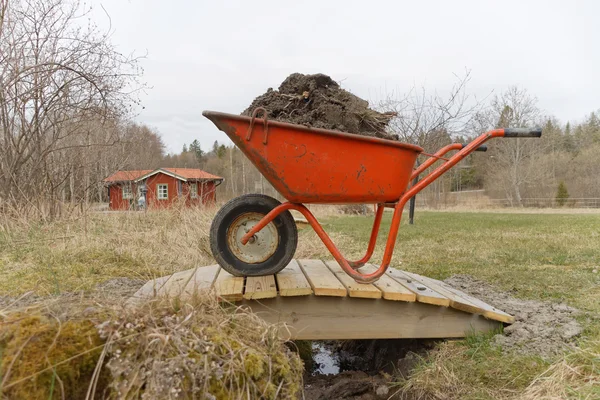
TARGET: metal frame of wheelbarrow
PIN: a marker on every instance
(350, 267)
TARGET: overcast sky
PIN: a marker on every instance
(219, 55)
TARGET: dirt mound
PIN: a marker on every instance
(540, 327)
(318, 101)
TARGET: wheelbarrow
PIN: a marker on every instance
(254, 235)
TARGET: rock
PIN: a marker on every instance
(382, 391)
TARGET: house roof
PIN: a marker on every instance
(183, 174)
(191, 173)
(124, 176)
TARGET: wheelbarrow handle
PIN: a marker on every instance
(523, 132)
(482, 148)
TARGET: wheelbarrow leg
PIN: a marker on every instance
(357, 276)
(372, 240)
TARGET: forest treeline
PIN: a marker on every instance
(68, 101)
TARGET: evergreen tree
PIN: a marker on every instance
(195, 148)
(185, 149)
(221, 151)
(562, 194)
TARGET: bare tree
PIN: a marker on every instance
(511, 164)
(60, 82)
(429, 120)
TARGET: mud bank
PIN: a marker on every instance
(541, 327)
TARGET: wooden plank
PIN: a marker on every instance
(292, 281)
(355, 289)
(321, 279)
(260, 287)
(455, 301)
(229, 287)
(174, 286)
(391, 289)
(330, 318)
(423, 293)
(201, 281)
(151, 288)
(488, 310)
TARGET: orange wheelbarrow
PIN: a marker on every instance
(255, 235)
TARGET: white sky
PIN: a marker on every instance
(219, 55)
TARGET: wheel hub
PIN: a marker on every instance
(260, 247)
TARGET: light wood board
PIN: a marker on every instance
(355, 289)
(292, 281)
(423, 293)
(321, 279)
(260, 287)
(229, 287)
(391, 289)
(201, 281)
(329, 318)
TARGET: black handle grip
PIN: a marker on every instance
(482, 148)
(523, 132)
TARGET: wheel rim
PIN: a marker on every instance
(260, 247)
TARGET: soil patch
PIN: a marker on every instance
(122, 287)
(361, 369)
(318, 101)
(541, 327)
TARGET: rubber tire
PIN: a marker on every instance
(286, 229)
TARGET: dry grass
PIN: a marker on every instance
(78, 253)
(159, 349)
(545, 256)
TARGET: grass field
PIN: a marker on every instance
(535, 256)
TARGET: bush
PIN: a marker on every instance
(562, 194)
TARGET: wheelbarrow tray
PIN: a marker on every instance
(308, 165)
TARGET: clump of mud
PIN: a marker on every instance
(541, 327)
(318, 101)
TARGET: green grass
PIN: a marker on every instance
(540, 256)
(536, 256)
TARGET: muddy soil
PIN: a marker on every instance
(361, 369)
(318, 101)
(541, 327)
(351, 385)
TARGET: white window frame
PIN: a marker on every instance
(127, 194)
(194, 190)
(159, 192)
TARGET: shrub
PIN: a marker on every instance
(562, 194)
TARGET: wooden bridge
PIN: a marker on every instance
(317, 300)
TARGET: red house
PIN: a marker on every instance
(160, 188)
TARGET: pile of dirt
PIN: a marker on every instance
(541, 327)
(318, 101)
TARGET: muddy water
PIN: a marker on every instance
(326, 361)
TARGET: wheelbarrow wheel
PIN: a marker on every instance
(268, 251)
